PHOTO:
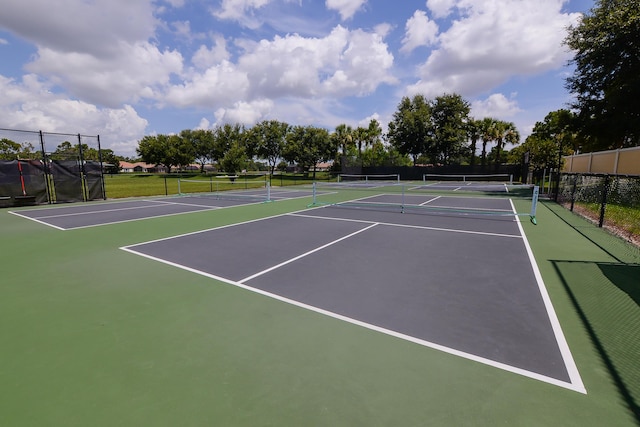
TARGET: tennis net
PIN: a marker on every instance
(479, 178)
(345, 177)
(226, 188)
(404, 199)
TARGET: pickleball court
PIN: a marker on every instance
(451, 278)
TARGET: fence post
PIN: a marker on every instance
(47, 170)
(573, 191)
(603, 203)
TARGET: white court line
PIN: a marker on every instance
(570, 364)
(533, 375)
(418, 227)
(289, 261)
(429, 201)
(36, 220)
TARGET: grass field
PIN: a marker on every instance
(137, 185)
(94, 336)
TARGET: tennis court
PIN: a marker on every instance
(375, 304)
(398, 274)
(97, 214)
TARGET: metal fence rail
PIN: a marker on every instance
(609, 200)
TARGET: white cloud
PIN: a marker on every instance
(441, 8)
(208, 57)
(93, 27)
(346, 8)
(492, 41)
(237, 9)
(3, 41)
(343, 63)
(139, 72)
(244, 112)
(496, 105)
(420, 31)
(218, 85)
(31, 105)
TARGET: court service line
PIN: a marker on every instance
(419, 227)
(429, 201)
(289, 261)
(569, 362)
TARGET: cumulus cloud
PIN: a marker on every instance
(496, 105)
(210, 56)
(441, 8)
(344, 63)
(95, 27)
(139, 72)
(420, 31)
(31, 105)
(244, 112)
(492, 41)
(346, 8)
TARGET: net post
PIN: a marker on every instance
(402, 208)
(179, 191)
(313, 193)
(268, 191)
(511, 179)
(534, 205)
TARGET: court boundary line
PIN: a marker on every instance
(328, 313)
(561, 340)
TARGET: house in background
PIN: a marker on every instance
(140, 167)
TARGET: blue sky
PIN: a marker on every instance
(124, 69)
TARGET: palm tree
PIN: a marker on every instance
(487, 134)
(344, 137)
(474, 132)
(505, 132)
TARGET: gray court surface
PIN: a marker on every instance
(102, 213)
(462, 285)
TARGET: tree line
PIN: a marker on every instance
(438, 131)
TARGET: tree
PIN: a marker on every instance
(505, 133)
(474, 133)
(410, 130)
(202, 143)
(11, 150)
(224, 138)
(606, 80)
(343, 137)
(165, 150)
(309, 145)
(449, 116)
(267, 140)
(234, 159)
(551, 139)
(488, 133)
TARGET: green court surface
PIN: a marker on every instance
(94, 336)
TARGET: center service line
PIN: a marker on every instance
(246, 279)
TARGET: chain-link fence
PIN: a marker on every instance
(611, 201)
(45, 167)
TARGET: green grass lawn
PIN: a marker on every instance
(136, 185)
